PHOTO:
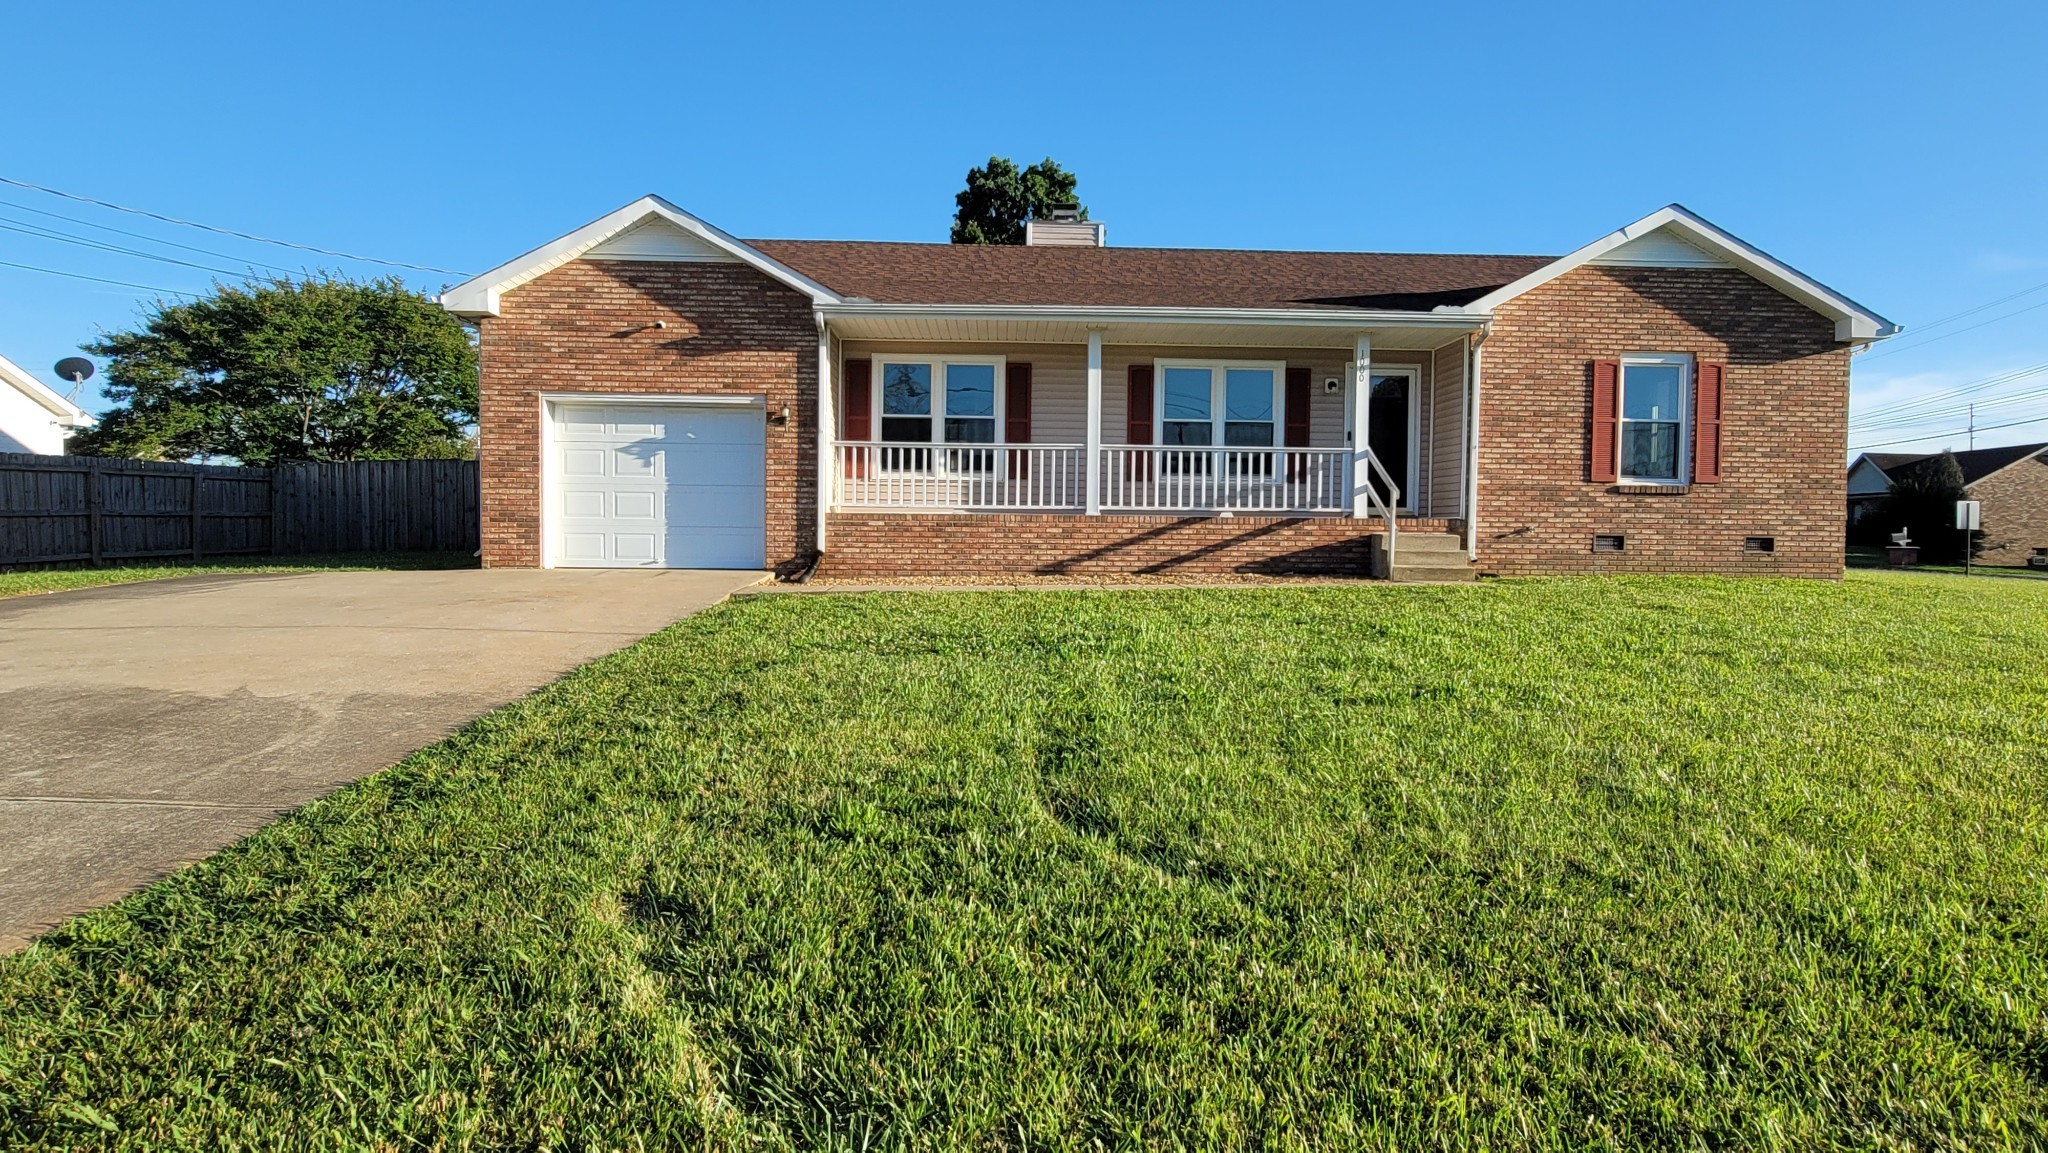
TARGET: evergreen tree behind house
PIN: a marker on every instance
(1000, 198)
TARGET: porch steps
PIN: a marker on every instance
(1420, 556)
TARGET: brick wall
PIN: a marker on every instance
(588, 327)
(860, 544)
(2015, 511)
(1785, 414)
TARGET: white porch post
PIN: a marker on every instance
(828, 440)
(1093, 468)
(1473, 367)
(1361, 422)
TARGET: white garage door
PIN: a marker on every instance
(669, 485)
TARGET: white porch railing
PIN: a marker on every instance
(1135, 478)
(1155, 478)
(989, 477)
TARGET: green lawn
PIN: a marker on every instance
(14, 584)
(1620, 863)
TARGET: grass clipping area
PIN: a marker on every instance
(1549, 864)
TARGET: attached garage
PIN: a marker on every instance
(673, 482)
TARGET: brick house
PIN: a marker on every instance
(658, 392)
(2010, 481)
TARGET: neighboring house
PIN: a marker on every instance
(657, 392)
(33, 417)
(2010, 482)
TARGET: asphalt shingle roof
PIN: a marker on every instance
(901, 273)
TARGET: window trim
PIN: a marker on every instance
(937, 362)
(1683, 450)
(1218, 383)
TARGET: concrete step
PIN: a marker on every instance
(1420, 556)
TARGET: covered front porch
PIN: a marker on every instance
(1275, 413)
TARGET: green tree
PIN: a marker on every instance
(1923, 502)
(999, 198)
(325, 369)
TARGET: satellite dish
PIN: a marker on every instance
(75, 369)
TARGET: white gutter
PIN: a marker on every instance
(1100, 315)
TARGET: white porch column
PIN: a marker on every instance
(1093, 467)
(828, 440)
(1473, 367)
(1361, 422)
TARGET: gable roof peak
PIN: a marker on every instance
(481, 295)
(1853, 322)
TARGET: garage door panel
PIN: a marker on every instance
(717, 507)
(717, 464)
(659, 485)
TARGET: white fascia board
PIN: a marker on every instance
(481, 295)
(1345, 319)
(1853, 322)
(68, 414)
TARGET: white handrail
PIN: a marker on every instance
(951, 476)
(1384, 506)
(1172, 478)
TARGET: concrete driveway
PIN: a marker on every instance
(146, 726)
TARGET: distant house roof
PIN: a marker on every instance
(891, 272)
(1976, 463)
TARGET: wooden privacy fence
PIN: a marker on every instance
(56, 509)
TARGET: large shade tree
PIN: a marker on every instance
(999, 198)
(322, 369)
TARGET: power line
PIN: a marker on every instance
(1975, 309)
(1884, 352)
(143, 236)
(1961, 390)
(1906, 420)
(224, 231)
(1950, 432)
(96, 279)
(11, 225)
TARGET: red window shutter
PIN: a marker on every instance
(1138, 419)
(1297, 406)
(1297, 419)
(1707, 388)
(1017, 403)
(857, 422)
(1138, 405)
(1606, 419)
(1017, 414)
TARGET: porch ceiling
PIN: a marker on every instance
(1217, 328)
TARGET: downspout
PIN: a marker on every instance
(827, 422)
(1472, 373)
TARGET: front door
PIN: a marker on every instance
(1396, 391)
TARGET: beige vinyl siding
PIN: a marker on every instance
(1445, 455)
(1059, 380)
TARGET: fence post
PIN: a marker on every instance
(198, 487)
(95, 498)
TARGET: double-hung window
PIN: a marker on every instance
(939, 400)
(1234, 405)
(1653, 418)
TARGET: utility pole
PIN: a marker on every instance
(1973, 428)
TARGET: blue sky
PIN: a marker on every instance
(1895, 152)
